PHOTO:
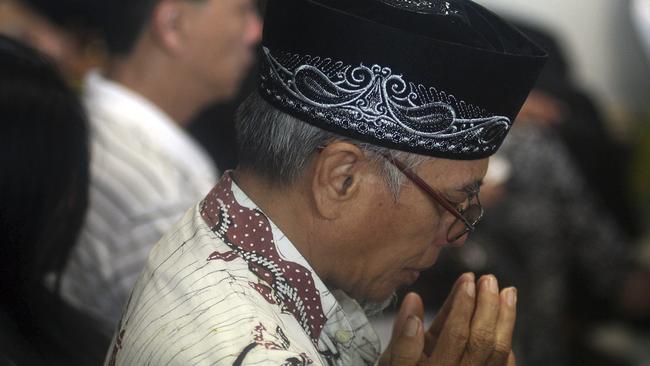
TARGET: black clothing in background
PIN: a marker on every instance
(44, 161)
(603, 161)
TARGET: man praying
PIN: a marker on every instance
(361, 157)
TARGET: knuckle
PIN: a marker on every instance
(482, 339)
(499, 356)
(502, 349)
(458, 335)
(491, 304)
(401, 359)
(498, 359)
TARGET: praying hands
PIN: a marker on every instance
(473, 328)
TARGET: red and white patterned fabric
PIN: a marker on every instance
(226, 286)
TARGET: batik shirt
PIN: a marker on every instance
(227, 287)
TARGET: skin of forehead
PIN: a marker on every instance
(453, 175)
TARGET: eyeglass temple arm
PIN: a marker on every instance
(438, 197)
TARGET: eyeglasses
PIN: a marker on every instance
(466, 218)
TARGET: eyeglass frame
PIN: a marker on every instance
(440, 199)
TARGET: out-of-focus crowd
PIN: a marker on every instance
(117, 116)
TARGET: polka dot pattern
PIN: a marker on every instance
(263, 290)
(248, 233)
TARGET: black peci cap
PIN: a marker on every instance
(433, 77)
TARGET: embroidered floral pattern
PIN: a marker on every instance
(375, 102)
(440, 7)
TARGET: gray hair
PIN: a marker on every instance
(279, 146)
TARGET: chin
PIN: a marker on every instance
(373, 308)
(230, 91)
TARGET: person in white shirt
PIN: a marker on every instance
(167, 60)
(361, 157)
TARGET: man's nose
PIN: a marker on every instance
(443, 242)
(459, 242)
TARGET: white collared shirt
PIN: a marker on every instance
(225, 286)
(145, 173)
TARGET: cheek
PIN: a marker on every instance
(397, 244)
(389, 237)
(416, 226)
(402, 231)
(230, 33)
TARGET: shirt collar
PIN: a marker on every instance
(237, 220)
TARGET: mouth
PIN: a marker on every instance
(409, 275)
(412, 274)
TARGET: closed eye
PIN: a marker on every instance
(465, 193)
(472, 189)
(458, 199)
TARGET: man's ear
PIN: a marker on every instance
(338, 175)
(166, 25)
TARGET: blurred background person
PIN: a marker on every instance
(43, 197)
(219, 139)
(166, 61)
(559, 107)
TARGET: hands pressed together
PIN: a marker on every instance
(473, 328)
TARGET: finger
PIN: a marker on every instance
(411, 305)
(406, 349)
(452, 340)
(407, 341)
(511, 359)
(502, 353)
(433, 333)
(482, 336)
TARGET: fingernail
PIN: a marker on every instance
(471, 276)
(470, 288)
(493, 286)
(511, 296)
(412, 326)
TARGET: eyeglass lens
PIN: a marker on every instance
(458, 229)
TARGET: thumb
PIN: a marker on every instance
(407, 341)
(406, 347)
(411, 305)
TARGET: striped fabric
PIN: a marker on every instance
(226, 287)
(145, 173)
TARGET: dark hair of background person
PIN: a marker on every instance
(123, 23)
(118, 22)
(79, 16)
(44, 163)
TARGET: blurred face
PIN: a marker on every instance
(220, 43)
(393, 241)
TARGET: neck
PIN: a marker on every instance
(155, 78)
(293, 214)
